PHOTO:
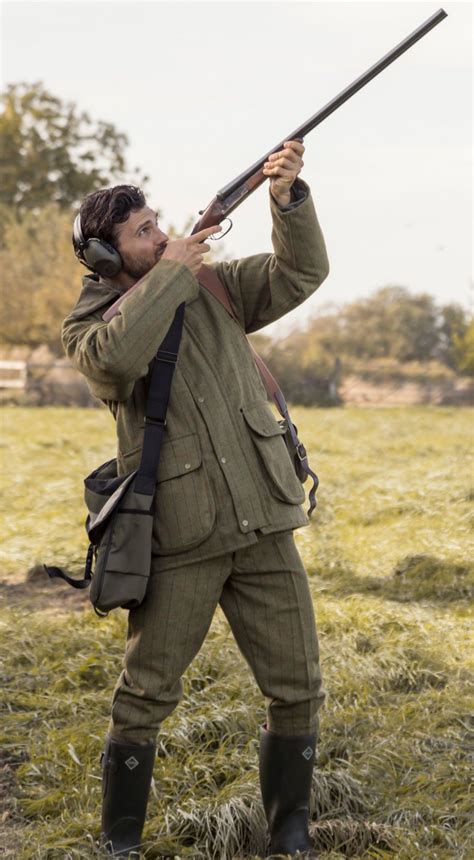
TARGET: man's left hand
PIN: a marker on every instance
(283, 167)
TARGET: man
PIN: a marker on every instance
(227, 496)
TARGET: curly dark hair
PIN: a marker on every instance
(102, 210)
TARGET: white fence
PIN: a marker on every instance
(18, 376)
(18, 381)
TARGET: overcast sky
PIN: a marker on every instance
(204, 89)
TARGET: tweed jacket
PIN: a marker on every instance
(225, 474)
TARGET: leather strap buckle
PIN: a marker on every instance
(303, 455)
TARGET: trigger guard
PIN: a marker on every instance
(221, 236)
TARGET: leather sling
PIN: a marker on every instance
(208, 279)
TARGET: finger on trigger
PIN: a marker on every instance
(203, 234)
(210, 230)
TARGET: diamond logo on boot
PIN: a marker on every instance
(307, 753)
(132, 763)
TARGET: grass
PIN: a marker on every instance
(388, 557)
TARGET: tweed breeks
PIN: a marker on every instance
(263, 591)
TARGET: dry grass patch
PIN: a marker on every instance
(388, 558)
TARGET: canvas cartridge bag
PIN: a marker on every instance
(119, 521)
(119, 525)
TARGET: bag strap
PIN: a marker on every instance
(57, 572)
(157, 404)
(159, 390)
(208, 279)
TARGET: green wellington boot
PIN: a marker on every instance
(126, 778)
(286, 768)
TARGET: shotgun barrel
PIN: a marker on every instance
(338, 100)
(233, 194)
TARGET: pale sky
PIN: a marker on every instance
(203, 89)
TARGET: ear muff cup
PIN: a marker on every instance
(94, 253)
(102, 257)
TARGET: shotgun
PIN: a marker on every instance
(235, 192)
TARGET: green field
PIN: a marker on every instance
(388, 557)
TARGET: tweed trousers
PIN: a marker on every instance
(263, 591)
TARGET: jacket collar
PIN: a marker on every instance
(96, 294)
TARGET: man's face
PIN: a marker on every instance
(140, 242)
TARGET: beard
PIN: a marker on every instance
(139, 266)
(136, 267)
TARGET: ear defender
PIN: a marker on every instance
(94, 253)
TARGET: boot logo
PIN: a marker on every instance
(132, 763)
(307, 753)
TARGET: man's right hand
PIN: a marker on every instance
(191, 250)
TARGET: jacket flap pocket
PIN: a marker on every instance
(179, 457)
(261, 419)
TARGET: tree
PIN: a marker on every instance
(392, 322)
(303, 368)
(41, 278)
(453, 329)
(52, 152)
(464, 350)
(51, 156)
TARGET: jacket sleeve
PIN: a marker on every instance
(265, 287)
(113, 355)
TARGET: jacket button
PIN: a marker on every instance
(223, 460)
(200, 399)
(245, 522)
(187, 465)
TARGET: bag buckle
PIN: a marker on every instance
(159, 421)
(165, 355)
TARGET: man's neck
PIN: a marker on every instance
(121, 282)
